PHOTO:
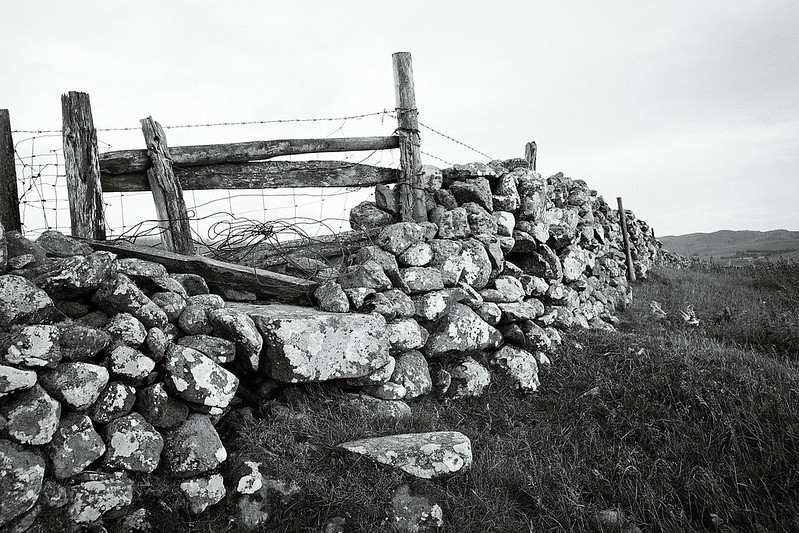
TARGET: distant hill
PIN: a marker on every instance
(736, 247)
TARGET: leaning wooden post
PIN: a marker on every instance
(167, 193)
(412, 201)
(530, 153)
(626, 237)
(86, 208)
(9, 196)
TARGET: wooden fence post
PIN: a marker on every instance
(412, 201)
(530, 153)
(626, 237)
(86, 208)
(167, 193)
(9, 196)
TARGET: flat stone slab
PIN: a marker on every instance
(302, 344)
(424, 455)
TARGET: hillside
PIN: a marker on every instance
(737, 246)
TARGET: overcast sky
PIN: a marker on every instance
(689, 110)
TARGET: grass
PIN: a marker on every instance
(678, 428)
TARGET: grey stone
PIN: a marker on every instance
(411, 371)
(21, 480)
(253, 511)
(236, 326)
(172, 303)
(197, 378)
(520, 365)
(414, 512)
(126, 329)
(481, 222)
(75, 446)
(454, 224)
(22, 302)
(358, 295)
(14, 379)
(367, 215)
(203, 492)
(219, 349)
(431, 178)
(117, 399)
(466, 171)
(528, 309)
(30, 416)
(159, 408)
(490, 313)
(506, 222)
(129, 365)
(369, 275)
(506, 195)
(56, 244)
(102, 494)
(477, 264)
(432, 305)
(193, 284)
(444, 198)
(419, 254)
(379, 376)
(494, 251)
(193, 448)
(405, 334)
(119, 294)
(389, 391)
(575, 261)
(386, 198)
(422, 279)
(76, 275)
(76, 384)
(533, 194)
(303, 344)
(81, 343)
(194, 321)
(423, 455)
(398, 237)
(332, 298)
(477, 190)
(371, 407)
(462, 330)
(380, 304)
(401, 302)
(132, 444)
(32, 346)
(469, 379)
(510, 287)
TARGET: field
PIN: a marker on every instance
(675, 427)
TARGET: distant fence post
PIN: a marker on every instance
(9, 196)
(86, 208)
(167, 192)
(412, 201)
(626, 237)
(530, 153)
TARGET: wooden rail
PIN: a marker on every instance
(9, 196)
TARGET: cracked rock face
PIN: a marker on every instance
(424, 455)
(21, 480)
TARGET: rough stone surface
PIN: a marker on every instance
(432, 305)
(81, 343)
(132, 444)
(117, 399)
(419, 254)
(172, 303)
(331, 297)
(254, 510)
(203, 492)
(32, 346)
(422, 279)
(369, 406)
(477, 190)
(21, 477)
(369, 275)
(367, 215)
(101, 494)
(129, 365)
(520, 365)
(406, 334)
(75, 446)
(56, 244)
(120, 295)
(193, 284)
(193, 448)
(414, 512)
(159, 408)
(196, 378)
(30, 416)
(219, 349)
(423, 455)
(303, 344)
(238, 327)
(126, 329)
(525, 310)
(75, 275)
(469, 378)
(15, 379)
(462, 330)
(398, 237)
(477, 264)
(453, 224)
(194, 321)
(411, 371)
(76, 384)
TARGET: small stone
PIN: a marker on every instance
(203, 492)
(506, 222)
(139, 521)
(159, 408)
(193, 448)
(367, 215)
(477, 264)
(81, 343)
(132, 444)
(477, 190)
(398, 237)
(129, 365)
(117, 399)
(331, 297)
(30, 416)
(419, 254)
(432, 305)
(77, 275)
(422, 279)
(379, 376)
(431, 178)
(21, 480)
(524, 310)
(462, 330)
(386, 391)
(197, 378)
(121, 295)
(255, 510)
(414, 513)
(15, 379)
(76, 384)
(490, 313)
(101, 495)
(400, 302)
(386, 198)
(481, 222)
(520, 365)
(405, 334)
(192, 283)
(371, 407)
(172, 303)
(32, 346)
(219, 349)
(510, 287)
(56, 244)
(239, 328)
(411, 372)
(75, 446)
(126, 329)
(194, 321)
(469, 378)
(369, 275)
(156, 342)
(454, 224)
(445, 200)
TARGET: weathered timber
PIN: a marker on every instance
(128, 161)
(530, 154)
(262, 282)
(413, 205)
(262, 175)
(9, 196)
(167, 193)
(86, 208)
(627, 252)
(264, 255)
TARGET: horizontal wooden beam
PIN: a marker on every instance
(128, 161)
(261, 175)
(264, 255)
(220, 273)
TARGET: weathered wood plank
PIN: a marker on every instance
(9, 195)
(411, 191)
(86, 208)
(626, 236)
(128, 161)
(167, 193)
(262, 282)
(262, 175)
(530, 154)
(264, 255)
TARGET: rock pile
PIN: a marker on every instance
(113, 368)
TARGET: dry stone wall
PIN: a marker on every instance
(112, 369)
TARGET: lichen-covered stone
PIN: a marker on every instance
(520, 365)
(406, 334)
(101, 494)
(159, 408)
(411, 371)
(30, 416)
(203, 492)
(76, 384)
(461, 330)
(75, 275)
(477, 264)
(75, 446)
(481, 222)
(171, 302)
(414, 512)
(303, 344)
(528, 309)
(21, 476)
(468, 379)
(193, 448)
(370, 407)
(197, 378)
(398, 237)
(367, 215)
(132, 444)
(14, 379)
(37, 345)
(331, 297)
(423, 455)
(510, 287)
(422, 279)
(490, 313)
(400, 302)
(369, 275)
(379, 376)
(126, 329)
(129, 365)
(56, 244)
(419, 254)
(219, 349)
(194, 284)
(239, 328)
(253, 511)
(116, 399)
(81, 343)
(120, 295)
(194, 321)
(477, 190)
(386, 391)
(453, 224)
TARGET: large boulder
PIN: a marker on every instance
(303, 344)
(424, 455)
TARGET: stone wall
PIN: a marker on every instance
(113, 366)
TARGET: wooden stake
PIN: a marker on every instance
(86, 208)
(530, 153)
(9, 197)
(167, 194)
(413, 205)
(626, 237)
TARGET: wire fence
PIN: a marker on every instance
(221, 220)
